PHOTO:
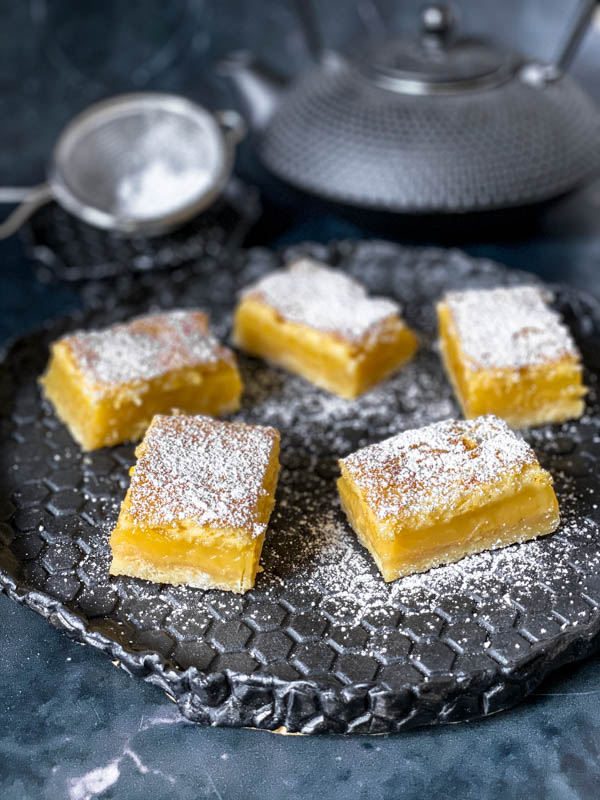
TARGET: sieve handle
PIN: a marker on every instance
(29, 199)
(232, 125)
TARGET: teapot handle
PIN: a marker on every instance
(580, 25)
(305, 11)
(232, 125)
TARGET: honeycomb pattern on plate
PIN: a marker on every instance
(69, 249)
(320, 644)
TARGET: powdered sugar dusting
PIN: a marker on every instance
(429, 469)
(170, 165)
(322, 298)
(146, 347)
(510, 328)
(197, 468)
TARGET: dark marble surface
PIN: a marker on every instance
(75, 727)
(72, 726)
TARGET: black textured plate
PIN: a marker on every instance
(321, 644)
(71, 250)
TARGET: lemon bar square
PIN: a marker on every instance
(508, 353)
(106, 385)
(433, 495)
(198, 504)
(320, 323)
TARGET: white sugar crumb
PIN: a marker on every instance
(509, 328)
(145, 347)
(429, 469)
(200, 469)
(322, 298)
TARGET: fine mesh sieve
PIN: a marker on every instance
(139, 163)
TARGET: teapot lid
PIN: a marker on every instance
(437, 63)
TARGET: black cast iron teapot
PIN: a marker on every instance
(440, 124)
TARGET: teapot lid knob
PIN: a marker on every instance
(437, 19)
(440, 62)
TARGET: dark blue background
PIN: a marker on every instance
(73, 727)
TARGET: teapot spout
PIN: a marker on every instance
(259, 88)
